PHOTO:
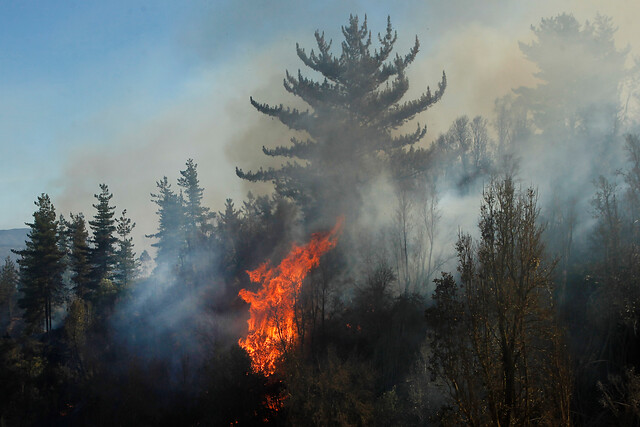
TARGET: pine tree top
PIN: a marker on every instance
(353, 110)
(196, 214)
(103, 224)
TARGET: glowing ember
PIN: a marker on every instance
(271, 325)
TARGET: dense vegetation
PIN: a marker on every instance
(533, 321)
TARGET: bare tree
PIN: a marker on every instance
(479, 144)
(403, 225)
(496, 346)
(432, 257)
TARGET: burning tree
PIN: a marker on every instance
(349, 127)
(272, 328)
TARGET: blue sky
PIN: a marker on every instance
(62, 62)
(124, 92)
(65, 62)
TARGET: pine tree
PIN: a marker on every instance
(196, 215)
(41, 268)
(171, 220)
(64, 244)
(353, 113)
(79, 256)
(126, 269)
(145, 264)
(581, 72)
(194, 256)
(8, 284)
(64, 231)
(103, 227)
(228, 232)
(576, 110)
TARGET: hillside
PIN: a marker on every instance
(12, 239)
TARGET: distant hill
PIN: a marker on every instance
(11, 239)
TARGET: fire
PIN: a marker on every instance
(271, 324)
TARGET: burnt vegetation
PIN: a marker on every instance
(529, 318)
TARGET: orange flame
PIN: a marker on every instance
(271, 324)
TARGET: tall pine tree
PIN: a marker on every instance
(103, 227)
(354, 111)
(581, 74)
(196, 215)
(195, 256)
(41, 268)
(79, 256)
(8, 285)
(170, 233)
(126, 269)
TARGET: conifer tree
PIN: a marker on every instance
(195, 214)
(144, 264)
(170, 233)
(79, 255)
(8, 284)
(575, 110)
(103, 227)
(354, 110)
(126, 269)
(196, 228)
(228, 234)
(581, 73)
(41, 268)
(64, 231)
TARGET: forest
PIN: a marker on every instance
(489, 277)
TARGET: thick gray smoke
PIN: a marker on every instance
(552, 111)
(557, 135)
(211, 120)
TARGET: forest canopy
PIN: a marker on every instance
(486, 275)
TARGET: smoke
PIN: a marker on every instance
(483, 51)
(208, 117)
(131, 156)
(210, 120)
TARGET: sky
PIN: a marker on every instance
(124, 92)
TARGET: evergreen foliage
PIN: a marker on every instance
(196, 215)
(572, 58)
(354, 112)
(41, 268)
(126, 268)
(103, 227)
(170, 233)
(79, 256)
(228, 233)
(8, 285)
(195, 259)
(493, 338)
